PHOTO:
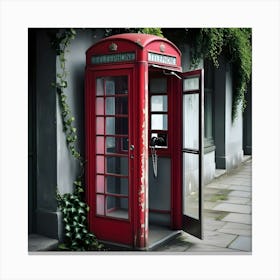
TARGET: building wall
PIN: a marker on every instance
(56, 168)
(234, 129)
(67, 167)
(45, 206)
(228, 134)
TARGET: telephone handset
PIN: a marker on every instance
(155, 141)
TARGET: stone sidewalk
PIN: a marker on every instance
(227, 217)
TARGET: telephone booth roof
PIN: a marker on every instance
(133, 47)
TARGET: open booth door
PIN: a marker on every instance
(192, 151)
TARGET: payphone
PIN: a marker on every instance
(143, 170)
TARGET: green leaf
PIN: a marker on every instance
(82, 204)
(78, 183)
(81, 211)
(63, 246)
(78, 236)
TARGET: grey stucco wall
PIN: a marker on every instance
(234, 129)
(55, 165)
(228, 134)
(67, 167)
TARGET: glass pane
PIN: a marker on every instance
(110, 126)
(99, 125)
(191, 84)
(159, 103)
(99, 86)
(158, 85)
(116, 145)
(191, 121)
(99, 164)
(191, 185)
(159, 122)
(117, 185)
(116, 85)
(100, 145)
(117, 126)
(116, 106)
(100, 204)
(100, 183)
(117, 207)
(117, 165)
(100, 106)
(110, 106)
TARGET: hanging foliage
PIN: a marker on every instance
(235, 44)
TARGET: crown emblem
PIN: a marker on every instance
(162, 48)
(113, 47)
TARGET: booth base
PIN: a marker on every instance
(158, 236)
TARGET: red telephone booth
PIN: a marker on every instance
(144, 141)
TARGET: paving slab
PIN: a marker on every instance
(212, 224)
(236, 208)
(217, 238)
(213, 238)
(236, 228)
(242, 182)
(240, 188)
(218, 186)
(240, 194)
(208, 205)
(238, 218)
(202, 248)
(243, 243)
(238, 200)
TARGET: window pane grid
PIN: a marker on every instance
(112, 173)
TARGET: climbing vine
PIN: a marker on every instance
(235, 44)
(72, 206)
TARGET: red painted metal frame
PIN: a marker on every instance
(133, 232)
(176, 160)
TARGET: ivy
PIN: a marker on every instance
(77, 237)
(61, 44)
(74, 209)
(150, 30)
(235, 44)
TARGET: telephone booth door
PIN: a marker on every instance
(192, 151)
(112, 167)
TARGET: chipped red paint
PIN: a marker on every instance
(142, 159)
